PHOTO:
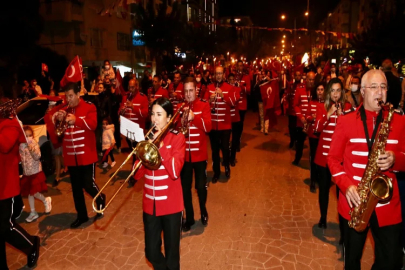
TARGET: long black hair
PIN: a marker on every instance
(165, 104)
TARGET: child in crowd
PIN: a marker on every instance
(33, 180)
(108, 142)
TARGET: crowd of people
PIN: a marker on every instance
(337, 108)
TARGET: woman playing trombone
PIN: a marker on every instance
(162, 192)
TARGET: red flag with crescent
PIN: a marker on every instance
(74, 72)
(44, 67)
(118, 83)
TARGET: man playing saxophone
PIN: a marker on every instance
(79, 149)
(351, 156)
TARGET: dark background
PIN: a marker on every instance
(268, 12)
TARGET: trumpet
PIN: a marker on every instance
(61, 125)
(185, 124)
(130, 96)
(215, 100)
(148, 155)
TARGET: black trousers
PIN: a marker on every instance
(219, 141)
(292, 128)
(170, 225)
(117, 133)
(237, 128)
(10, 231)
(83, 177)
(325, 179)
(200, 174)
(313, 145)
(132, 145)
(111, 155)
(242, 119)
(299, 145)
(387, 250)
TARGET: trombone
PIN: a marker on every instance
(148, 155)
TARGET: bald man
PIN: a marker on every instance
(348, 157)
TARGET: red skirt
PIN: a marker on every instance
(33, 184)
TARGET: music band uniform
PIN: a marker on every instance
(11, 205)
(80, 155)
(347, 161)
(196, 159)
(163, 203)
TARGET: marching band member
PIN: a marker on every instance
(11, 206)
(301, 106)
(199, 126)
(237, 124)
(200, 88)
(156, 91)
(349, 153)
(315, 105)
(134, 107)
(176, 92)
(244, 83)
(289, 97)
(162, 193)
(335, 105)
(222, 98)
(79, 149)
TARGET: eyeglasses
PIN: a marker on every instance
(375, 87)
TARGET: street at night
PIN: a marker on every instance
(264, 217)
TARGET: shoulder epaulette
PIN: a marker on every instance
(203, 100)
(399, 111)
(142, 94)
(89, 102)
(175, 131)
(349, 110)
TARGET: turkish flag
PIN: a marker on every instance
(44, 67)
(74, 72)
(119, 89)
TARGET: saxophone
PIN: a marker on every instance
(374, 186)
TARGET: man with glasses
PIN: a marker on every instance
(348, 157)
(221, 96)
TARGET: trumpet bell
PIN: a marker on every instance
(148, 154)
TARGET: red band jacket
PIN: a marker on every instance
(301, 103)
(162, 187)
(221, 114)
(11, 136)
(196, 143)
(348, 157)
(139, 111)
(244, 84)
(179, 90)
(314, 128)
(161, 92)
(327, 128)
(290, 93)
(79, 140)
(235, 117)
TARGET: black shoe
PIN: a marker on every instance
(33, 256)
(295, 163)
(238, 149)
(266, 133)
(187, 225)
(312, 187)
(215, 178)
(78, 222)
(232, 163)
(291, 145)
(55, 183)
(227, 172)
(322, 223)
(204, 219)
(131, 182)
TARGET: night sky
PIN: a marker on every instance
(267, 12)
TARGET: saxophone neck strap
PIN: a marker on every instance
(363, 116)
